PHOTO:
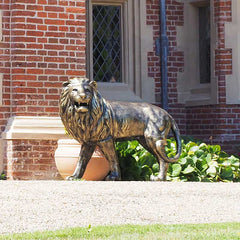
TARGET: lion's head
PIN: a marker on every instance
(81, 107)
(80, 93)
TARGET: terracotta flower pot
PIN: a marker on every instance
(66, 157)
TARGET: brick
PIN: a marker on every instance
(53, 72)
(54, 22)
(35, 71)
(75, 10)
(53, 9)
(23, 13)
(35, 33)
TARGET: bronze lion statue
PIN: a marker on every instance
(93, 121)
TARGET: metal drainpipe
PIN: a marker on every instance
(164, 54)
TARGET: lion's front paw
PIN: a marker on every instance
(71, 178)
(113, 176)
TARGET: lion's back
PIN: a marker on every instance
(131, 118)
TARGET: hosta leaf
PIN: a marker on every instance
(146, 159)
(216, 148)
(175, 179)
(173, 145)
(146, 170)
(199, 153)
(188, 169)
(212, 171)
(234, 161)
(209, 157)
(200, 163)
(191, 153)
(171, 154)
(223, 154)
(194, 149)
(226, 163)
(203, 146)
(213, 164)
(190, 145)
(133, 144)
(195, 159)
(204, 167)
(227, 173)
(190, 161)
(183, 161)
(155, 167)
(176, 169)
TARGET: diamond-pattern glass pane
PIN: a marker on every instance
(106, 43)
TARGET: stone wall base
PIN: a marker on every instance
(28, 147)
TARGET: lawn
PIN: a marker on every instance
(223, 231)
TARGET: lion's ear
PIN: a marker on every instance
(65, 84)
(93, 84)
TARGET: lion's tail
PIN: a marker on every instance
(177, 137)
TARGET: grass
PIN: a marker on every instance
(223, 231)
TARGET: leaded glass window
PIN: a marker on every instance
(107, 62)
(204, 44)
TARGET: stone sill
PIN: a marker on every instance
(34, 127)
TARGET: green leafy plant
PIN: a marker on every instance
(135, 162)
(2, 176)
(198, 162)
(202, 162)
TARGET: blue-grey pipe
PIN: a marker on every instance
(164, 55)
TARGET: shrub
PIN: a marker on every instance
(198, 162)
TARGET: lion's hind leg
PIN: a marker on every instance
(156, 147)
(163, 166)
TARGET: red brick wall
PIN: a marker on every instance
(5, 64)
(217, 122)
(48, 46)
(31, 159)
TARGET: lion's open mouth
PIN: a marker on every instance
(81, 107)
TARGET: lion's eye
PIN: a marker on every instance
(87, 90)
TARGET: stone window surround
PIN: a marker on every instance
(137, 41)
(232, 37)
(190, 91)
